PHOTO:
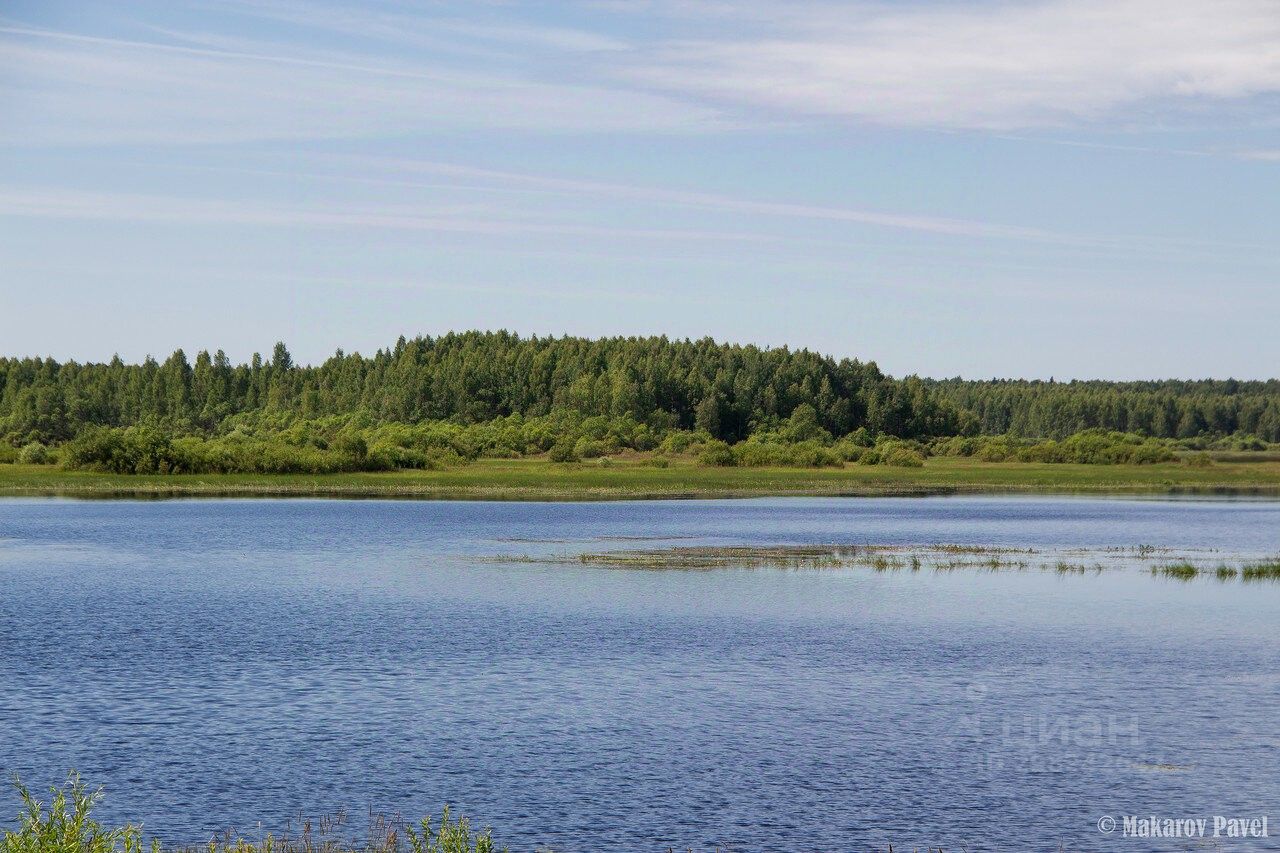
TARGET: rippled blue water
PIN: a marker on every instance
(219, 663)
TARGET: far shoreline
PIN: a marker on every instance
(635, 478)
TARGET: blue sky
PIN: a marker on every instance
(1075, 188)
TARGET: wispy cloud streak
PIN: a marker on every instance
(74, 88)
(183, 211)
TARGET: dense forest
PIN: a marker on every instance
(473, 377)
(1164, 409)
(430, 400)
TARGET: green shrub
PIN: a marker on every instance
(562, 451)
(811, 454)
(803, 426)
(758, 452)
(1151, 452)
(589, 448)
(643, 439)
(959, 445)
(352, 445)
(1045, 451)
(716, 453)
(1198, 460)
(997, 450)
(679, 441)
(136, 450)
(848, 451)
(888, 444)
(1100, 447)
(753, 453)
(35, 453)
(862, 437)
(903, 457)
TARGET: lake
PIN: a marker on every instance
(219, 664)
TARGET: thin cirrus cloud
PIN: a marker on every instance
(74, 88)
(410, 25)
(982, 65)
(455, 219)
(397, 171)
(508, 218)
(472, 180)
(727, 204)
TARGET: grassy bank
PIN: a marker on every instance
(635, 477)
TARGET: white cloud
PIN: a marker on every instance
(339, 70)
(991, 65)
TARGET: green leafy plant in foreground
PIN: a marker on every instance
(67, 826)
(452, 837)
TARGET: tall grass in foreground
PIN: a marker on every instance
(66, 825)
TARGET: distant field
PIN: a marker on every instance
(636, 478)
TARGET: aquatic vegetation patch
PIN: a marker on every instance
(1265, 570)
(880, 558)
(734, 556)
(1183, 571)
(1063, 567)
(935, 557)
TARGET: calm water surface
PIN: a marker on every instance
(216, 664)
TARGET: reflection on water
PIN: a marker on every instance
(220, 663)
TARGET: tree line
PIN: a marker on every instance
(728, 392)
(1182, 409)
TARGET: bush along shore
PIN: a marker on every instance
(353, 444)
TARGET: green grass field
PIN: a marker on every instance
(635, 478)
